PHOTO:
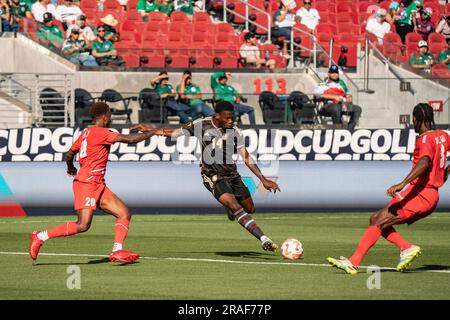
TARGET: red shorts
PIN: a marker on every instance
(414, 203)
(89, 195)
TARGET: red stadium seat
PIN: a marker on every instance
(131, 60)
(132, 5)
(179, 17)
(133, 16)
(224, 28)
(88, 4)
(264, 21)
(202, 17)
(392, 37)
(441, 71)
(436, 48)
(412, 38)
(112, 5)
(156, 16)
(326, 28)
(435, 37)
(344, 7)
(184, 28)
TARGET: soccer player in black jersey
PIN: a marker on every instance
(220, 140)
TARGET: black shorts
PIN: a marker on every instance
(220, 185)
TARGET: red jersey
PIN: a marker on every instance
(435, 145)
(93, 146)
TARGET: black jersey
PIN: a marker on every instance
(218, 146)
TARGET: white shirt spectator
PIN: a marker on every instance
(377, 28)
(249, 52)
(289, 21)
(86, 34)
(38, 9)
(68, 14)
(309, 18)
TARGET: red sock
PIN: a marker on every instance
(121, 230)
(369, 238)
(66, 229)
(394, 237)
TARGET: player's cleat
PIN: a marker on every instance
(35, 245)
(407, 256)
(268, 245)
(343, 264)
(230, 214)
(123, 256)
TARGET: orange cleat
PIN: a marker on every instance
(123, 256)
(35, 245)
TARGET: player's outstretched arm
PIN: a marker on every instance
(268, 184)
(71, 170)
(420, 168)
(165, 132)
(134, 137)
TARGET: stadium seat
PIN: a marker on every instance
(132, 5)
(273, 109)
(131, 60)
(413, 38)
(133, 16)
(201, 17)
(272, 51)
(303, 108)
(156, 16)
(88, 4)
(112, 5)
(83, 102)
(436, 48)
(179, 17)
(392, 38)
(224, 28)
(435, 37)
(441, 71)
(151, 106)
(113, 96)
(52, 105)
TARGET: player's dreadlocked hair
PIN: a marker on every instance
(98, 109)
(423, 113)
(224, 106)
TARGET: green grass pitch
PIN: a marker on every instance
(209, 257)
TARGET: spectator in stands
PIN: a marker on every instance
(86, 33)
(185, 6)
(336, 100)
(419, 5)
(422, 59)
(392, 14)
(166, 7)
(104, 52)
(443, 27)
(68, 13)
(283, 22)
(21, 9)
(40, 7)
(50, 35)
(76, 50)
(406, 22)
(8, 20)
(223, 91)
(109, 22)
(191, 94)
(165, 90)
(144, 7)
(424, 25)
(444, 55)
(307, 15)
(251, 54)
(378, 25)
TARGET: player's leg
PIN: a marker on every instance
(110, 203)
(38, 238)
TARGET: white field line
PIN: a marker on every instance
(212, 260)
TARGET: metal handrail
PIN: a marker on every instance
(247, 20)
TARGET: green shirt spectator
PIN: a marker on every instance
(160, 89)
(222, 91)
(49, 35)
(21, 8)
(144, 7)
(406, 14)
(184, 6)
(73, 48)
(191, 89)
(166, 7)
(444, 56)
(422, 59)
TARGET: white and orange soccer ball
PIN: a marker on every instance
(292, 249)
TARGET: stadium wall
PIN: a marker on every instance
(43, 188)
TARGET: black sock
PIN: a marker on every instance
(248, 223)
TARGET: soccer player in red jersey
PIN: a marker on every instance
(89, 187)
(415, 202)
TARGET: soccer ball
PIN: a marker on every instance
(291, 249)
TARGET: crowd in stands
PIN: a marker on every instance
(186, 101)
(133, 28)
